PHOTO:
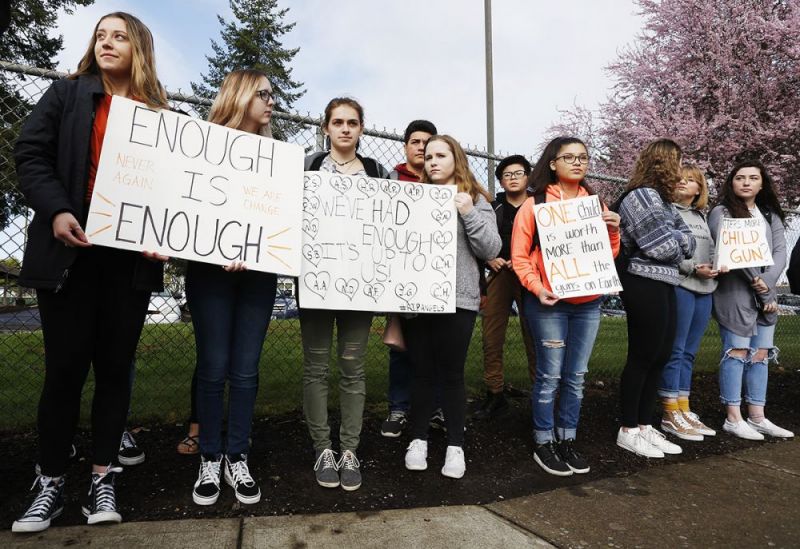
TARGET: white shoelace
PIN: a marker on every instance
(348, 461)
(418, 445)
(209, 472)
(681, 421)
(127, 440)
(104, 495)
(327, 459)
(241, 473)
(43, 503)
(397, 415)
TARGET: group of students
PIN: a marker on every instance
(93, 300)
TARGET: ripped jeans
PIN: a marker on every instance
(564, 335)
(735, 372)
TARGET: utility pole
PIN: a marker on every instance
(487, 17)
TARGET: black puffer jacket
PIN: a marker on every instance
(52, 157)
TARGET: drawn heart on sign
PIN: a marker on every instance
(311, 227)
(341, 184)
(441, 216)
(311, 182)
(390, 187)
(318, 283)
(441, 291)
(313, 253)
(443, 264)
(440, 196)
(367, 186)
(442, 239)
(414, 191)
(310, 204)
(375, 291)
(347, 287)
(406, 291)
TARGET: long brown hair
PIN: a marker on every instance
(144, 82)
(541, 175)
(230, 106)
(766, 199)
(462, 175)
(658, 167)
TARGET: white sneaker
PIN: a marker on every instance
(768, 428)
(633, 442)
(659, 440)
(742, 430)
(417, 455)
(454, 466)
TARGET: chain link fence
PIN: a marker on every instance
(166, 355)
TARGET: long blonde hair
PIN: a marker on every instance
(462, 175)
(693, 170)
(144, 81)
(233, 100)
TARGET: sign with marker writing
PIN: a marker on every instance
(182, 187)
(378, 245)
(575, 247)
(742, 243)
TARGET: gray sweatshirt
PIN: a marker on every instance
(736, 305)
(696, 221)
(477, 238)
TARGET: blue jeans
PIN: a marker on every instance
(230, 314)
(564, 335)
(694, 312)
(733, 371)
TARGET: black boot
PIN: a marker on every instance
(494, 405)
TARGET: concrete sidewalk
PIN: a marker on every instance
(751, 498)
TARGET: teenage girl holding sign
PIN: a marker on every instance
(231, 310)
(92, 300)
(745, 304)
(564, 330)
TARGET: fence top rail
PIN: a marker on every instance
(292, 117)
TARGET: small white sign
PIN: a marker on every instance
(575, 247)
(378, 245)
(182, 187)
(742, 243)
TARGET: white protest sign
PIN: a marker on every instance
(575, 247)
(182, 187)
(742, 243)
(378, 245)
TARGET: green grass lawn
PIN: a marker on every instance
(166, 355)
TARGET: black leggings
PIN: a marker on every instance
(95, 319)
(437, 346)
(651, 316)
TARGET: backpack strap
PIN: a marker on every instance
(539, 197)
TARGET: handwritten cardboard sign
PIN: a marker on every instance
(574, 242)
(377, 245)
(182, 187)
(742, 243)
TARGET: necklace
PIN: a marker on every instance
(342, 164)
(561, 191)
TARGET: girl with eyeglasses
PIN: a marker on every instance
(655, 241)
(745, 304)
(343, 125)
(231, 309)
(563, 330)
(92, 300)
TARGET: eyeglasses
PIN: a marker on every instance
(514, 175)
(265, 95)
(570, 158)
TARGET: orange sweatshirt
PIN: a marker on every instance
(528, 265)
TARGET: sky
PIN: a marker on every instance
(408, 59)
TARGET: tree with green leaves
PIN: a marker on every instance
(27, 41)
(253, 40)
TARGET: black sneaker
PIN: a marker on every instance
(326, 469)
(548, 458)
(573, 459)
(206, 487)
(437, 420)
(129, 452)
(393, 425)
(494, 405)
(237, 475)
(102, 506)
(349, 471)
(47, 505)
